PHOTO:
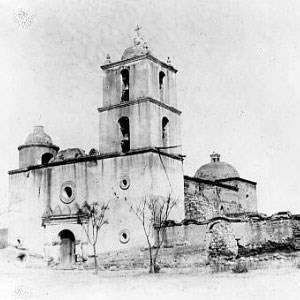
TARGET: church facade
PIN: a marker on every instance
(139, 156)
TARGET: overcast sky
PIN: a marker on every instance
(238, 82)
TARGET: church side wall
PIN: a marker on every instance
(148, 175)
(205, 201)
(247, 196)
(229, 201)
(26, 205)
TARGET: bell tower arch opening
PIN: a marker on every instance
(67, 247)
(125, 132)
(125, 85)
(161, 78)
(165, 131)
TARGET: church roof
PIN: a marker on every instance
(216, 169)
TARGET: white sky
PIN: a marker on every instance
(238, 62)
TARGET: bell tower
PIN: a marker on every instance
(139, 103)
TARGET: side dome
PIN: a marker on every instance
(216, 169)
(38, 136)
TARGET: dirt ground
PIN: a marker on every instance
(19, 281)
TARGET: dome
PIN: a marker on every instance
(140, 47)
(38, 136)
(134, 51)
(216, 169)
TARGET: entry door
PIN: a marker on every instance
(67, 251)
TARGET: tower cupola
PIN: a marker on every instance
(140, 46)
(37, 149)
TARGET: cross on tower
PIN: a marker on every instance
(138, 28)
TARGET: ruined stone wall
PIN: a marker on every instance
(217, 243)
(204, 201)
(246, 236)
(3, 238)
(200, 204)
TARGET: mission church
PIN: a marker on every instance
(139, 155)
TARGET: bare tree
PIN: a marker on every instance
(94, 214)
(153, 214)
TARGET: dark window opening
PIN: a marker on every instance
(125, 85)
(46, 158)
(161, 83)
(165, 131)
(125, 131)
(68, 191)
(222, 210)
(161, 80)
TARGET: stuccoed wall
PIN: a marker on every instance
(247, 198)
(30, 156)
(145, 120)
(143, 82)
(95, 180)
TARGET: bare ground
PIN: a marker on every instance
(29, 281)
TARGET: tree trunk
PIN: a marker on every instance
(95, 259)
(156, 269)
(151, 266)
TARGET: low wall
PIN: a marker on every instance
(3, 238)
(246, 235)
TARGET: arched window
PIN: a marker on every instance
(161, 77)
(165, 131)
(46, 157)
(125, 131)
(125, 85)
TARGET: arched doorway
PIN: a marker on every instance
(67, 247)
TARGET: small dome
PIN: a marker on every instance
(134, 51)
(216, 169)
(38, 137)
(140, 47)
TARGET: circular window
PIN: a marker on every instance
(124, 183)
(124, 236)
(68, 192)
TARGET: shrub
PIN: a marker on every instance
(240, 267)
